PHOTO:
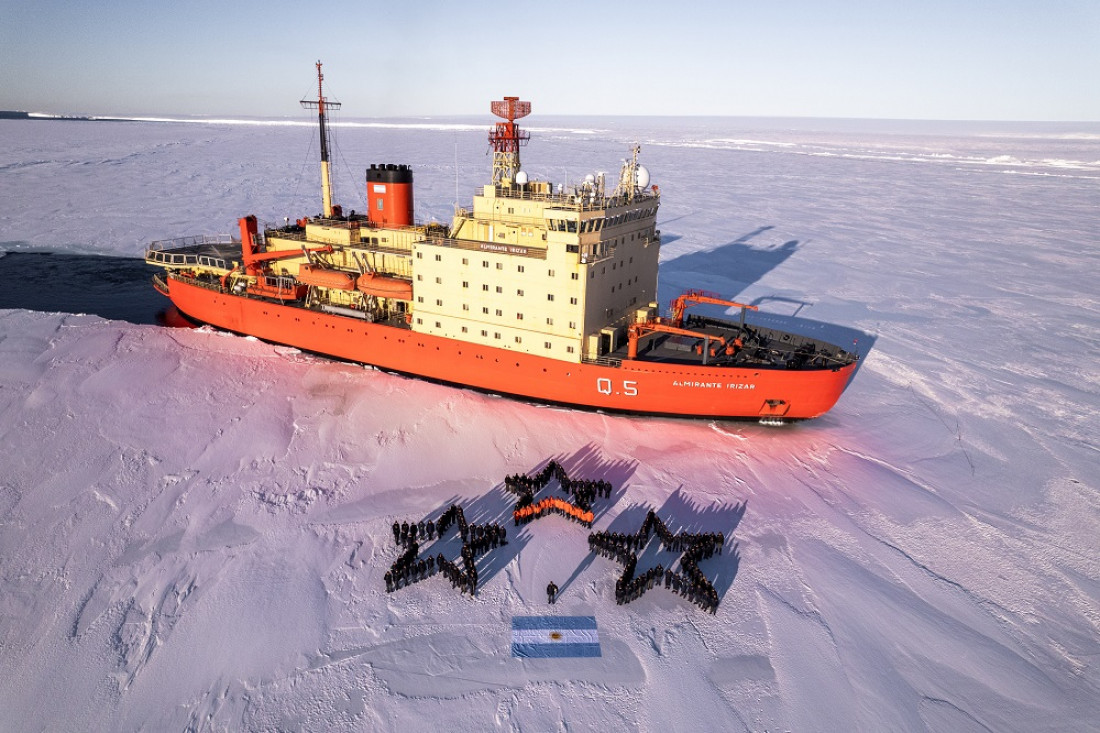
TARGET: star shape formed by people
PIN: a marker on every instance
(689, 582)
(582, 493)
(410, 567)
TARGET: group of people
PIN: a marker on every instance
(405, 533)
(689, 583)
(477, 539)
(409, 568)
(484, 537)
(709, 542)
(453, 514)
(695, 586)
(531, 512)
(630, 588)
(583, 491)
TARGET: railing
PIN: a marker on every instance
(194, 241)
(185, 259)
(283, 234)
(574, 199)
(189, 251)
(477, 246)
(609, 361)
(216, 287)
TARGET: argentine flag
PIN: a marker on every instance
(555, 636)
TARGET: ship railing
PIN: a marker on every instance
(183, 243)
(574, 198)
(215, 286)
(281, 233)
(608, 361)
(489, 247)
(186, 259)
(204, 250)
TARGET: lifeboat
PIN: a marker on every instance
(323, 277)
(382, 286)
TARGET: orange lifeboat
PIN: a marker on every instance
(381, 286)
(323, 277)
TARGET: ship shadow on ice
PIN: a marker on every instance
(731, 268)
(726, 269)
(115, 288)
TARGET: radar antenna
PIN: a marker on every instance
(505, 138)
(628, 175)
(321, 104)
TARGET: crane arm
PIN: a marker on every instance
(682, 302)
(638, 331)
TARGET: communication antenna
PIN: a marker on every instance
(506, 138)
(321, 104)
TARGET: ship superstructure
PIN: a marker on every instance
(542, 292)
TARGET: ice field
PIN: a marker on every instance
(194, 526)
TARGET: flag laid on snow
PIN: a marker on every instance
(555, 636)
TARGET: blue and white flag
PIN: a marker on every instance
(555, 636)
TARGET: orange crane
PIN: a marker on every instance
(267, 284)
(682, 302)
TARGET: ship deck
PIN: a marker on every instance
(764, 348)
(207, 251)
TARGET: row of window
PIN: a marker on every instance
(499, 312)
(496, 335)
(499, 266)
(549, 296)
(595, 225)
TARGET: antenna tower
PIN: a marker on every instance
(505, 138)
(321, 104)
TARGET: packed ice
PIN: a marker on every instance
(195, 526)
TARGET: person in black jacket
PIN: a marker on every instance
(551, 592)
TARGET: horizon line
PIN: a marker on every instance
(391, 119)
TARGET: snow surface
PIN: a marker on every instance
(194, 526)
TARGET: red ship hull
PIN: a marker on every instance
(636, 386)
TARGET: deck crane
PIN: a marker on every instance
(675, 325)
(682, 302)
(638, 331)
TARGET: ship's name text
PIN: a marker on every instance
(506, 248)
(713, 385)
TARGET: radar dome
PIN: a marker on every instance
(642, 177)
(521, 178)
(590, 178)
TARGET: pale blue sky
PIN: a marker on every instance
(930, 59)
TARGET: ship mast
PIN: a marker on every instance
(320, 104)
(506, 137)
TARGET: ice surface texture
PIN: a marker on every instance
(194, 526)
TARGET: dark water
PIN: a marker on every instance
(119, 288)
